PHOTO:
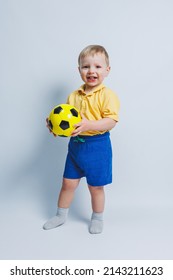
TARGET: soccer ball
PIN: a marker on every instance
(62, 118)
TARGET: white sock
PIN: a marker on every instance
(57, 220)
(96, 224)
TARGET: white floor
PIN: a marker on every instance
(130, 231)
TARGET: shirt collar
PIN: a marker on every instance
(81, 90)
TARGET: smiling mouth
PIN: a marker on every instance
(91, 78)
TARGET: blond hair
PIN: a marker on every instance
(91, 50)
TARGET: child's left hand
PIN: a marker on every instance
(84, 125)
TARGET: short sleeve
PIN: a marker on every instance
(68, 100)
(110, 105)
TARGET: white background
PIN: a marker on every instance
(40, 43)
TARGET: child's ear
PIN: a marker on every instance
(108, 70)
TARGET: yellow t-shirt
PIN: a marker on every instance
(95, 105)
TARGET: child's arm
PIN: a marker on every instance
(100, 125)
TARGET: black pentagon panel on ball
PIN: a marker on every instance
(64, 125)
(74, 112)
(50, 124)
(58, 109)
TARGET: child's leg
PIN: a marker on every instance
(98, 201)
(67, 192)
(65, 198)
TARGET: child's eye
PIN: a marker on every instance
(98, 66)
(84, 67)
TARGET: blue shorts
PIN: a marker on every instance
(90, 157)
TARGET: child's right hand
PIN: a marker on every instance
(47, 124)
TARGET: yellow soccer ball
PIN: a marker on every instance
(62, 119)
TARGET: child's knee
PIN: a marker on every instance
(69, 184)
(96, 190)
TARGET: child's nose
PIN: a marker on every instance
(91, 70)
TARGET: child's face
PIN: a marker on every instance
(93, 69)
